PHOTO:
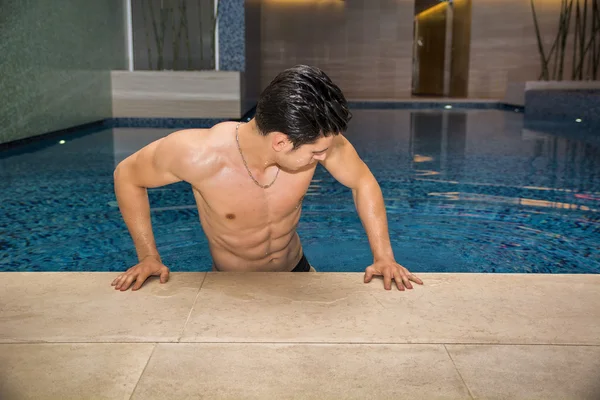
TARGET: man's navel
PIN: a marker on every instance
(230, 216)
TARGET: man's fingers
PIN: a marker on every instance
(387, 280)
(400, 275)
(119, 281)
(127, 282)
(398, 280)
(113, 283)
(164, 275)
(141, 278)
(405, 280)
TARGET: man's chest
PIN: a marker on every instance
(236, 197)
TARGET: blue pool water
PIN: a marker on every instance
(465, 191)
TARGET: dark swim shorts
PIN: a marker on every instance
(303, 265)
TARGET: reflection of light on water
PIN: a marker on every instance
(420, 158)
(509, 200)
(447, 195)
(587, 196)
(550, 234)
(553, 204)
(545, 188)
(313, 190)
(425, 172)
(438, 180)
(501, 185)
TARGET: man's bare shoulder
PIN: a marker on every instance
(339, 146)
(197, 153)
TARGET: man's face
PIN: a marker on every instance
(305, 155)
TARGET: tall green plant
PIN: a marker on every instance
(585, 45)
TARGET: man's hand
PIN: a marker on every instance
(391, 270)
(140, 272)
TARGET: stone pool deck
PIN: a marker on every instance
(319, 336)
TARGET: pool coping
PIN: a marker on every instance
(493, 324)
(525, 309)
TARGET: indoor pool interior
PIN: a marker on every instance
(466, 190)
(480, 120)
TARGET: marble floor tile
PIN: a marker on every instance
(529, 372)
(286, 371)
(71, 371)
(448, 308)
(83, 307)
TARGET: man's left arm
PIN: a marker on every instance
(345, 165)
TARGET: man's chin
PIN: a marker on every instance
(296, 168)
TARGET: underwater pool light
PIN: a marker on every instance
(62, 142)
(578, 120)
(448, 106)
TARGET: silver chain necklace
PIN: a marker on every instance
(237, 139)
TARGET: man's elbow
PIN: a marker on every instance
(367, 182)
(121, 170)
(124, 166)
(118, 171)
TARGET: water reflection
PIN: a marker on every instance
(427, 142)
(488, 152)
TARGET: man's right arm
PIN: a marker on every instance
(148, 168)
(158, 164)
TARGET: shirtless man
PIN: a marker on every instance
(249, 181)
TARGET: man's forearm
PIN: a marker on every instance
(135, 208)
(371, 210)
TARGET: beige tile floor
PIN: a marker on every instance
(299, 336)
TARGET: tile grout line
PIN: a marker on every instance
(143, 370)
(458, 372)
(191, 309)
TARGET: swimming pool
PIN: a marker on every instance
(465, 190)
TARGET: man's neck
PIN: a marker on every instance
(255, 147)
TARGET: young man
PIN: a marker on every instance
(249, 181)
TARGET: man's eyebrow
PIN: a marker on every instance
(321, 151)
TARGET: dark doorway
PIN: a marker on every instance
(441, 48)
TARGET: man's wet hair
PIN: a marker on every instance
(303, 103)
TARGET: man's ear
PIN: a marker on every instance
(280, 141)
